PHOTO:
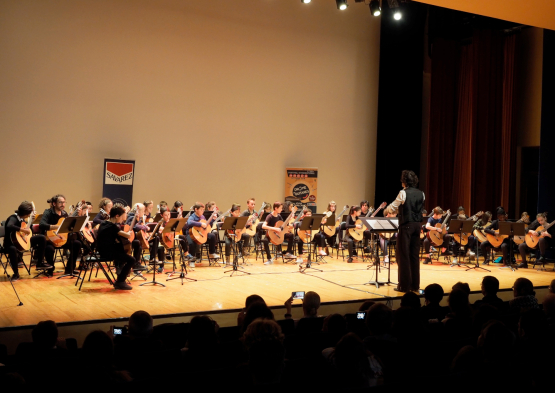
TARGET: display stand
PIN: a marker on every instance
(153, 282)
(176, 225)
(233, 224)
(459, 227)
(378, 225)
(310, 223)
(71, 226)
(511, 229)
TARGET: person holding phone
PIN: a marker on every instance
(311, 304)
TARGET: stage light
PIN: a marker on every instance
(341, 4)
(305, 1)
(375, 8)
(397, 15)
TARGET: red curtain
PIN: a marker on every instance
(471, 149)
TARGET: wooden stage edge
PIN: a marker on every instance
(342, 288)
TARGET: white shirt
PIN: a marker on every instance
(401, 198)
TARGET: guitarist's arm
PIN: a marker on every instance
(266, 225)
(351, 223)
(532, 228)
(14, 225)
(47, 218)
(194, 221)
(491, 229)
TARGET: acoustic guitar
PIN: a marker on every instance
(20, 240)
(127, 242)
(277, 238)
(252, 230)
(329, 230)
(87, 231)
(496, 240)
(199, 234)
(142, 236)
(525, 218)
(436, 237)
(168, 238)
(358, 234)
(532, 241)
(479, 233)
(61, 239)
(463, 238)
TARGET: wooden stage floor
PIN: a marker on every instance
(339, 283)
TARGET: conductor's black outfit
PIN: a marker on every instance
(409, 202)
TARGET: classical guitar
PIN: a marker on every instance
(142, 236)
(525, 218)
(256, 220)
(127, 242)
(87, 231)
(277, 238)
(61, 239)
(479, 233)
(329, 230)
(297, 219)
(532, 241)
(358, 234)
(436, 237)
(168, 238)
(199, 234)
(463, 238)
(239, 232)
(20, 240)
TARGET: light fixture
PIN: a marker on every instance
(341, 4)
(305, 1)
(397, 15)
(375, 8)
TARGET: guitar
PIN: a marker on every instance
(358, 234)
(87, 231)
(20, 240)
(436, 237)
(463, 238)
(252, 230)
(479, 233)
(199, 234)
(127, 242)
(297, 219)
(532, 241)
(61, 239)
(277, 238)
(142, 236)
(329, 230)
(168, 238)
(497, 239)
(220, 218)
(239, 232)
(521, 239)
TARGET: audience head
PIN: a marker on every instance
(263, 340)
(311, 304)
(202, 333)
(458, 302)
(366, 305)
(496, 342)
(523, 287)
(490, 285)
(379, 319)
(350, 356)
(98, 347)
(335, 324)
(253, 299)
(551, 287)
(411, 300)
(549, 305)
(255, 311)
(433, 294)
(462, 286)
(45, 334)
(140, 324)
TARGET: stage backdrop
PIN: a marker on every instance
(118, 180)
(301, 184)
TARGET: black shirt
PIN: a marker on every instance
(271, 221)
(50, 217)
(108, 241)
(13, 224)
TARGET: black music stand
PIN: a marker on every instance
(378, 225)
(232, 224)
(311, 223)
(511, 229)
(178, 225)
(71, 225)
(154, 282)
(460, 227)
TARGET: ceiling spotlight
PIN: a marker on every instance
(341, 4)
(397, 15)
(305, 1)
(375, 8)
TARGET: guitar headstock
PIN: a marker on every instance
(383, 205)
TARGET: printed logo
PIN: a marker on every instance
(119, 173)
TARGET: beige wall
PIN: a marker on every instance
(194, 91)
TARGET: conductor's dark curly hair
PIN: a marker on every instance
(409, 178)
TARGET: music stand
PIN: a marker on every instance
(511, 229)
(157, 217)
(71, 225)
(311, 223)
(378, 225)
(177, 226)
(459, 227)
(152, 234)
(233, 224)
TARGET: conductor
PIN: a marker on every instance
(409, 203)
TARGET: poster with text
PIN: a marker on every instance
(118, 180)
(301, 186)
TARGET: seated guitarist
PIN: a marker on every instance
(194, 221)
(245, 237)
(38, 242)
(105, 205)
(332, 208)
(138, 210)
(354, 213)
(365, 206)
(110, 246)
(166, 215)
(249, 211)
(270, 225)
(486, 246)
(461, 215)
(436, 218)
(49, 221)
(545, 240)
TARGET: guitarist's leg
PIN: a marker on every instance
(13, 256)
(212, 245)
(505, 250)
(38, 242)
(136, 245)
(153, 248)
(446, 241)
(427, 251)
(340, 231)
(75, 252)
(227, 248)
(543, 244)
(350, 247)
(522, 249)
(485, 248)
(366, 236)
(192, 247)
(470, 246)
(49, 252)
(266, 247)
(290, 239)
(126, 262)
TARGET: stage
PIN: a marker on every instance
(341, 286)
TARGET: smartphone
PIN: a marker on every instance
(361, 315)
(298, 295)
(421, 291)
(117, 331)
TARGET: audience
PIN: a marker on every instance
(486, 347)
